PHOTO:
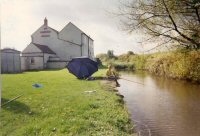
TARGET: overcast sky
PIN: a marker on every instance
(20, 18)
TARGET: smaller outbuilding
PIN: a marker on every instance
(10, 61)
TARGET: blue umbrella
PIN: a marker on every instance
(82, 67)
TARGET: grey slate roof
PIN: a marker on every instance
(44, 48)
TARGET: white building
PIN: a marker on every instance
(52, 49)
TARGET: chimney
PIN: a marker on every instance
(45, 21)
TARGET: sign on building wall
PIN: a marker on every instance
(45, 32)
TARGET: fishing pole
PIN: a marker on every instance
(137, 82)
(132, 81)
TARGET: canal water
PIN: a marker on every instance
(161, 106)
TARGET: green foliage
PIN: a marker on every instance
(130, 53)
(178, 64)
(61, 107)
(127, 61)
(123, 66)
(182, 63)
(103, 57)
(170, 21)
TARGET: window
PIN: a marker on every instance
(32, 61)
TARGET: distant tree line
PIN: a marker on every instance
(110, 54)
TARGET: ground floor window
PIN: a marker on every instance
(32, 61)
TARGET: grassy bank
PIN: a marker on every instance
(60, 107)
(180, 64)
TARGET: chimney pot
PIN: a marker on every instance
(45, 21)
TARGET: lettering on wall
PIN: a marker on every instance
(45, 32)
(45, 35)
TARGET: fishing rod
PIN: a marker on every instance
(132, 81)
(137, 82)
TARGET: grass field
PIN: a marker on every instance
(60, 107)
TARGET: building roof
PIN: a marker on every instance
(53, 29)
(44, 48)
(9, 50)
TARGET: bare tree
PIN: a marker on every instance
(174, 20)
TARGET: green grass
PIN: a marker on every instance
(61, 107)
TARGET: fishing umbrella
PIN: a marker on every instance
(82, 67)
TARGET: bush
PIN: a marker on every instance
(181, 64)
(177, 64)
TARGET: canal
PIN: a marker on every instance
(161, 106)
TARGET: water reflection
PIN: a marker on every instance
(166, 106)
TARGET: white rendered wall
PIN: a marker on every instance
(71, 33)
(56, 65)
(68, 50)
(46, 58)
(42, 38)
(85, 45)
(64, 50)
(23, 64)
(68, 43)
(91, 49)
(26, 61)
(31, 48)
(37, 65)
